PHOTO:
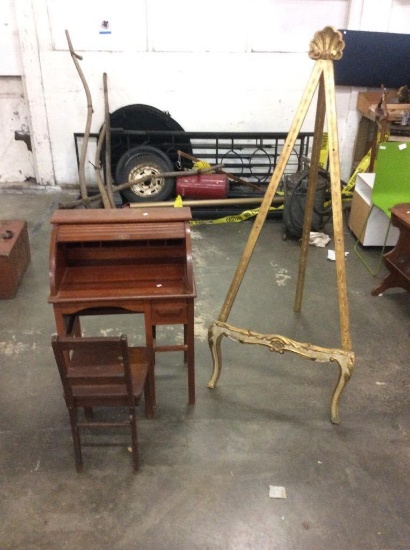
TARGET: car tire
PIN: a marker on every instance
(143, 161)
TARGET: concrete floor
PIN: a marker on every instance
(206, 470)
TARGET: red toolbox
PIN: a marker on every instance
(14, 256)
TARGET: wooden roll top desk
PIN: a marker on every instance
(125, 261)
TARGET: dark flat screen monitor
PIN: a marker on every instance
(371, 59)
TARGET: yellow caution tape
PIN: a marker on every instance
(347, 191)
(324, 151)
(245, 215)
(362, 167)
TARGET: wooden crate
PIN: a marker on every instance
(14, 256)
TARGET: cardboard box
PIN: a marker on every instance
(372, 233)
(14, 256)
(367, 103)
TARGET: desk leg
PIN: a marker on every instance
(189, 355)
(61, 324)
(67, 325)
(189, 351)
(74, 326)
(150, 336)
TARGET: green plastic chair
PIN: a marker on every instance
(391, 187)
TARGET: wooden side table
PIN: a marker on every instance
(397, 260)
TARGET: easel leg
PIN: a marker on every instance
(271, 190)
(264, 208)
(214, 341)
(337, 207)
(344, 377)
(311, 192)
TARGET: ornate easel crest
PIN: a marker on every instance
(326, 47)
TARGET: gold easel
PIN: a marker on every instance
(326, 46)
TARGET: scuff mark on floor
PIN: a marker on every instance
(202, 321)
(281, 274)
(13, 347)
(195, 236)
(107, 331)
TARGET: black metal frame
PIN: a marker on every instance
(251, 156)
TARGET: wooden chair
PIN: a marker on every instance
(103, 372)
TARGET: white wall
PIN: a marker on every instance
(220, 65)
(15, 158)
(16, 163)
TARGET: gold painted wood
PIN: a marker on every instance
(271, 190)
(334, 169)
(311, 191)
(327, 46)
(280, 344)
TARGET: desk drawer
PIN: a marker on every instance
(168, 312)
